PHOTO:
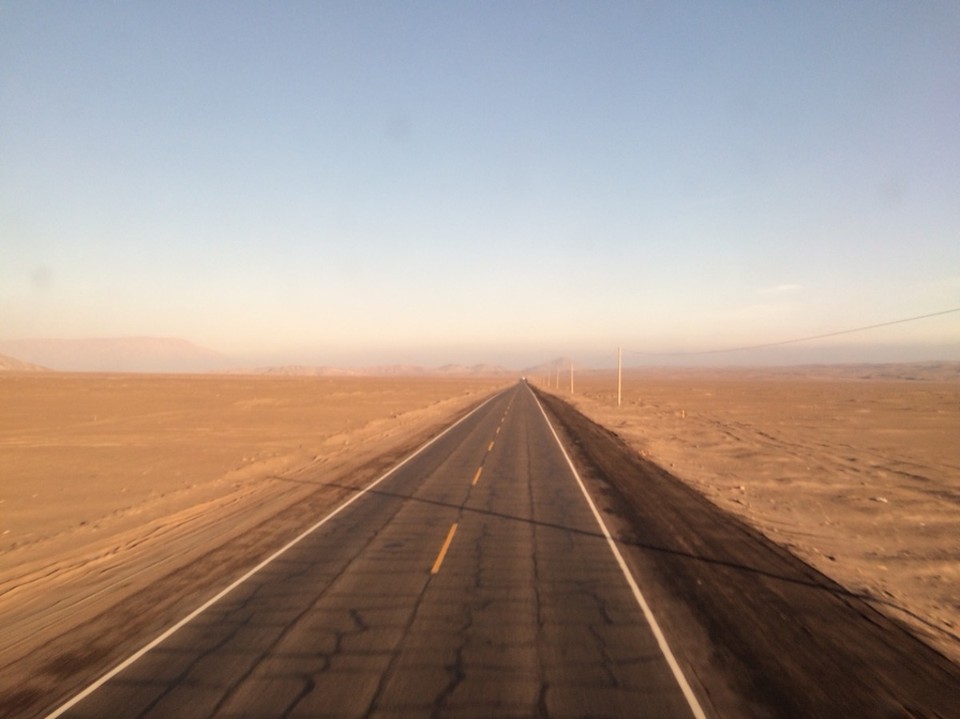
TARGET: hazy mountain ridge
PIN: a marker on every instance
(115, 354)
(175, 355)
(932, 371)
(12, 364)
(450, 370)
(560, 364)
(917, 371)
(295, 370)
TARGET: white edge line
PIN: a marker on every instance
(213, 600)
(638, 595)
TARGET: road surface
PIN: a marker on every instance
(473, 581)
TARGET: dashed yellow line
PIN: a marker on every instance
(476, 477)
(443, 549)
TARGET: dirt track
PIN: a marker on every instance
(786, 640)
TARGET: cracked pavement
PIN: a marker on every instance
(527, 615)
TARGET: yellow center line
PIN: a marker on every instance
(443, 549)
(490, 448)
(498, 429)
(476, 477)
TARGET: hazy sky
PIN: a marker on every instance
(432, 181)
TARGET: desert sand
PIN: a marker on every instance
(110, 482)
(855, 469)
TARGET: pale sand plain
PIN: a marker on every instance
(855, 469)
(108, 482)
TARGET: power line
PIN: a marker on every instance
(799, 339)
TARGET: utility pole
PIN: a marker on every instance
(619, 375)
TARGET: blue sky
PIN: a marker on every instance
(357, 183)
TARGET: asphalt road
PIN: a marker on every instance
(472, 581)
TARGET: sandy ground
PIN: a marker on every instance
(856, 471)
(111, 481)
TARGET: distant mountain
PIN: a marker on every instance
(450, 370)
(480, 370)
(561, 364)
(477, 370)
(393, 370)
(11, 364)
(116, 354)
(936, 371)
(295, 370)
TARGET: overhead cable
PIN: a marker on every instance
(798, 339)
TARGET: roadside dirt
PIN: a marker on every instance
(787, 641)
